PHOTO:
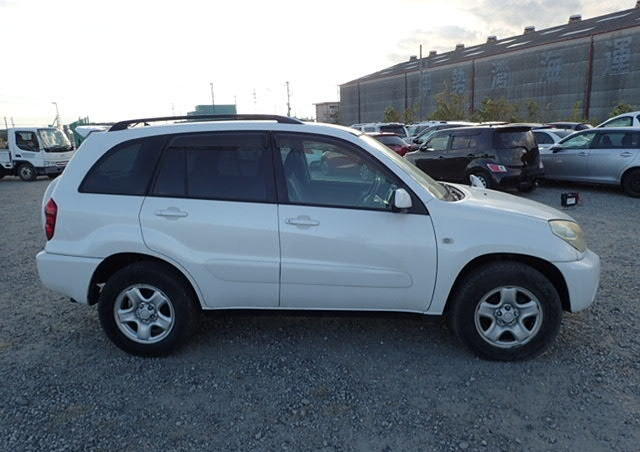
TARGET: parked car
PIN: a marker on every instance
(424, 136)
(156, 223)
(631, 119)
(382, 127)
(545, 138)
(500, 157)
(415, 129)
(571, 125)
(393, 142)
(601, 155)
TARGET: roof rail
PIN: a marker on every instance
(123, 125)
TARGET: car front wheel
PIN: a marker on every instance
(146, 309)
(506, 311)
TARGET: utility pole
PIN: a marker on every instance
(288, 101)
(213, 103)
(57, 120)
(420, 87)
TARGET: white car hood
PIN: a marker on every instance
(504, 202)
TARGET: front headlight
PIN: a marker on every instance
(570, 232)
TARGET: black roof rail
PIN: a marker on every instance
(123, 125)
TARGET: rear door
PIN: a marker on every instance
(433, 156)
(342, 245)
(611, 154)
(212, 210)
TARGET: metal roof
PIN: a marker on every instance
(575, 29)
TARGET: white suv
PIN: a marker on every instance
(156, 223)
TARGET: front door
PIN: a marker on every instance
(569, 161)
(342, 246)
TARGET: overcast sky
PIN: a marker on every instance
(119, 59)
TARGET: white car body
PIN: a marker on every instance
(631, 119)
(288, 256)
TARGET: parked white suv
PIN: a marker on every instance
(156, 223)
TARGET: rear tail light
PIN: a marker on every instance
(496, 168)
(50, 215)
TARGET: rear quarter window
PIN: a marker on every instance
(125, 169)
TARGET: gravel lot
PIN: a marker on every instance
(327, 382)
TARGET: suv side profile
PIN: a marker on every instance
(156, 223)
(500, 157)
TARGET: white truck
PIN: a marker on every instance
(29, 152)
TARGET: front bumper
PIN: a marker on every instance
(582, 278)
(67, 275)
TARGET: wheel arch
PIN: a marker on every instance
(627, 171)
(116, 262)
(545, 267)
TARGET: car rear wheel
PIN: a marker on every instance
(146, 309)
(631, 183)
(506, 311)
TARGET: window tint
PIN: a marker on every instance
(616, 140)
(509, 140)
(625, 121)
(464, 142)
(391, 140)
(3, 140)
(581, 141)
(27, 141)
(345, 175)
(542, 138)
(438, 143)
(125, 169)
(394, 128)
(225, 166)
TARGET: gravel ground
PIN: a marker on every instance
(326, 382)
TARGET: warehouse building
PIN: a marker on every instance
(586, 65)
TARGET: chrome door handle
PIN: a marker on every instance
(171, 212)
(626, 154)
(302, 221)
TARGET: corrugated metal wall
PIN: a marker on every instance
(555, 77)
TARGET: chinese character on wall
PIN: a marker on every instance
(499, 75)
(458, 81)
(551, 67)
(618, 56)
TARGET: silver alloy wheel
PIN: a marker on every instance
(483, 180)
(508, 317)
(144, 314)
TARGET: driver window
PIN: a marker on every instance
(438, 143)
(325, 172)
(581, 141)
(27, 141)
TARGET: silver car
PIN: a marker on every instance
(545, 138)
(602, 155)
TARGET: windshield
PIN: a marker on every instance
(53, 140)
(423, 179)
(514, 139)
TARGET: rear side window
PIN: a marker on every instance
(464, 142)
(542, 138)
(222, 166)
(125, 169)
(513, 139)
(625, 121)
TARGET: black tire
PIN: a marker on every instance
(506, 300)
(27, 172)
(484, 177)
(126, 315)
(631, 183)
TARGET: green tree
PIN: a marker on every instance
(620, 109)
(391, 115)
(497, 110)
(409, 116)
(449, 106)
(577, 114)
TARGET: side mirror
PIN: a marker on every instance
(401, 199)
(555, 148)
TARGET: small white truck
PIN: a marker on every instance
(29, 152)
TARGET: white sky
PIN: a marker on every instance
(119, 59)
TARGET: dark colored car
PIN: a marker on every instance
(423, 136)
(393, 142)
(501, 157)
